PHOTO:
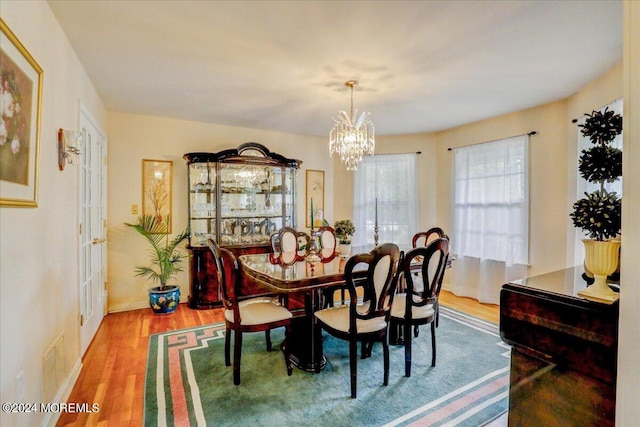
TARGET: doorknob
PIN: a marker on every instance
(95, 240)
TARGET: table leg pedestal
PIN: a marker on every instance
(305, 342)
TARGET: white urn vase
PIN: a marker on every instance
(601, 259)
(345, 250)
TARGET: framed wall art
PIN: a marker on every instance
(314, 198)
(21, 92)
(157, 182)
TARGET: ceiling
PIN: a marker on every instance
(423, 66)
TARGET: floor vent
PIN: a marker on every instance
(53, 368)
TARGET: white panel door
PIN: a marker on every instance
(93, 246)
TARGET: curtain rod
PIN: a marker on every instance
(389, 154)
(533, 132)
(604, 106)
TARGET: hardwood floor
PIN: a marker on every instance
(114, 365)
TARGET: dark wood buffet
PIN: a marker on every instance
(564, 352)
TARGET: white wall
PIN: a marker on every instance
(135, 137)
(38, 246)
(627, 408)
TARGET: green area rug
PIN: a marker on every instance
(187, 382)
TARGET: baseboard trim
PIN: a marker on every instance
(129, 307)
(51, 418)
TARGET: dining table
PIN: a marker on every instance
(293, 273)
(288, 273)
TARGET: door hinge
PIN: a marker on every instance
(80, 230)
(82, 320)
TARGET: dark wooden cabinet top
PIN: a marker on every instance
(545, 317)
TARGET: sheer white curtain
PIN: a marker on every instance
(392, 180)
(490, 236)
(585, 186)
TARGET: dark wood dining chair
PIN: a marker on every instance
(417, 304)
(327, 237)
(423, 238)
(288, 239)
(328, 245)
(248, 315)
(365, 321)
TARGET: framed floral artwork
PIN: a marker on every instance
(314, 198)
(20, 108)
(157, 182)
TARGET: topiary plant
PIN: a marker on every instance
(344, 229)
(599, 213)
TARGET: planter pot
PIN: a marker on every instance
(164, 301)
(601, 259)
(345, 250)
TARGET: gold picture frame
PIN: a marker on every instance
(157, 185)
(21, 82)
(314, 192)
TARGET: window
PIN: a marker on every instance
(490, 236)
(491, 201)
(392, 180)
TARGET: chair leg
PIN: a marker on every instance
(353, 366)
(286, 350)
(227, 347)
(437, 308)
(237, 353)
(267, 336)
(407, 350)
(366, 349)
(416, 331)
(433, 344)
(385, 352)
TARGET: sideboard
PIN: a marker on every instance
(564, 352)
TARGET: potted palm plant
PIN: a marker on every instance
(599, 212)
(344, 230)
(166, 261)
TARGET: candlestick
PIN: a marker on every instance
(375, 228)
(376, 211)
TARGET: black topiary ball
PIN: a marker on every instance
(598, 214)
(600, 163)
(602, 127)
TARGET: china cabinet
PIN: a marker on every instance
(237, 197)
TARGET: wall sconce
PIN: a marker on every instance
(69, 142)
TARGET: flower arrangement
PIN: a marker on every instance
(599, 213)
(344, 229)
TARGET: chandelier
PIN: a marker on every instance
(352, 136)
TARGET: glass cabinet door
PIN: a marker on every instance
(239, 197)
(202, 202)
(252, 203)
